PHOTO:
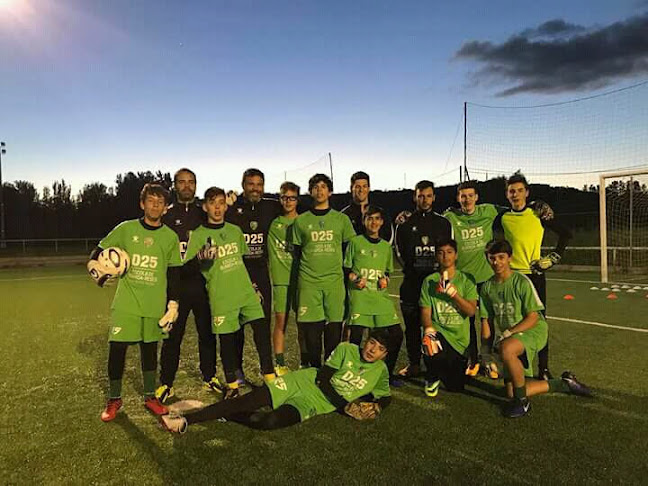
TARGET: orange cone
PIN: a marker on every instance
(568, 297)
(612, 296)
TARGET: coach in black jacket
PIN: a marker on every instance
(416, 241)
(360, 188)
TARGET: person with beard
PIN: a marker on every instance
(184, 216)
(253, 214)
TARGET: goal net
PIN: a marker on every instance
(623, 200)
(562, 148)
(299, 175)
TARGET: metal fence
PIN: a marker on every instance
(47, 247)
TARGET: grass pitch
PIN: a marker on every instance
(53, 384)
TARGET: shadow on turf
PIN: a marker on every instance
(482, 390)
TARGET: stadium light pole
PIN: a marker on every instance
(3, 244)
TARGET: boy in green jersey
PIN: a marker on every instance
(511, 302)
(353, 381)
(524, 230)
(448, 301)
(318, 236)
(220, 247)
(138, 308)
(368, 262)
(283, 272)
(472, 225)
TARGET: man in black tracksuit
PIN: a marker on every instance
(253, 214)
(183, 216)
(416, 241)
(360, 188)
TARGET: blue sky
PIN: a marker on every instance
(89, 89)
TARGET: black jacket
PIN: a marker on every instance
(183, 218)
(254, 220)
(354, 212)
(416, 242)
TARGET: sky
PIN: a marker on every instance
(90, 89)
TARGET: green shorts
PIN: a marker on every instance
(375, 321)
(533, 340)
(299, 390)
(321, 304)
(231, 320)
(132, 328)
(284, 298)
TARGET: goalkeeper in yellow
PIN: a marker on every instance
(138, 309)
(353, 381)
(448, 301)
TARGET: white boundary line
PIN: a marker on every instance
(578, 321)
(53, 277)
(594, 282)
(599, 324)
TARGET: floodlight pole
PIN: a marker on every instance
(3, 243)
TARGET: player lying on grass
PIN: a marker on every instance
(368, 262)
(448, 301)
(510, 301)
(233, 301)
(283, 272)
(352, 381)
(138, 308)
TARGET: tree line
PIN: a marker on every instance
(97, 208)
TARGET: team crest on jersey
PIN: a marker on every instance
(135, 239)
(321, 224)
(374, 254)
(254, 225)
(148, 241)
(425, 240)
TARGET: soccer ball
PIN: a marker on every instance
(115, 261)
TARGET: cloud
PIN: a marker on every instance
(558, 56)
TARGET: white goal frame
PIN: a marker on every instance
(603, 213)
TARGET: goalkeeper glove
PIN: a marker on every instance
(431, 344)
(542, 210)
(362, 410)
(209, 251)
(167, 320)
(100, 274)
(445, 287)
(545, 263)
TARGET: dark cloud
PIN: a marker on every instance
(551, 28)
(558, 56)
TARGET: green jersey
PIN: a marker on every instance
(228, 283)
(472, 232)
(355, 377)
(320, 234)
(369, 259)
(142, 291)
(283, 265)
(507, 303)
(446, 317)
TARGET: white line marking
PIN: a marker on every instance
(578, 321)
(599, 324)
(590, 281)
(37, 278)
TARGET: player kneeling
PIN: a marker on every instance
(342, 385)
(512, 303)
(448, 301)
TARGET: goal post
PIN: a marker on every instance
(623, 222)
